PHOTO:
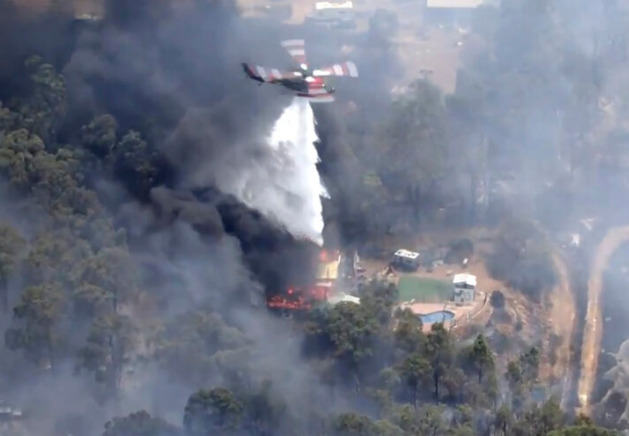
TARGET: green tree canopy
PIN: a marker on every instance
(208, 411)
(140, 424)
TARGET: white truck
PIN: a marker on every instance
(406, 260)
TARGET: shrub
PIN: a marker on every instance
(497, 300)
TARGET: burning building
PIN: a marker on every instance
(328, 269)
(323, 290)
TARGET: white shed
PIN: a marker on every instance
(464, 288)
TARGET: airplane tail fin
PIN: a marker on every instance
(249, 72)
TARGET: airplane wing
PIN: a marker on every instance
(296, 49)
(344, 69)
(264, 74)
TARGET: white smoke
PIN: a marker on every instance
(286, 188)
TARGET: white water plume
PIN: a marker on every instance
(286, 187)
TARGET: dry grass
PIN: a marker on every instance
(593, 330)
(561, 317)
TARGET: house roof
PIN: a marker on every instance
(454, 4)
(333, 5)
(468, 279)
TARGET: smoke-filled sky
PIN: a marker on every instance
(174, 74)
(221, 124)
(180, 71)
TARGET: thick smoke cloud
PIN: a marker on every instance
(210, 121)
(193, 59)
(180, 69)
(178, 66)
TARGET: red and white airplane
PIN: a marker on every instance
(302, 81)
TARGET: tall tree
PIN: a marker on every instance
(7, 118)
(503, 421)
(133, 162)
(540, 420)
(352, 329)
(416, 144)
(416, 371)
(17, 151)
(38, 313)
(99, 136)
(43, 110)
(351, 424)
(104, 354)
(209, 411)
(430, 421)
(11, 247)
(264, 410)
(198, 344)
(529, 363)
(440, 351)
(108, 279)
(408, 333)
(481, 356)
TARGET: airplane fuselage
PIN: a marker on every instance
(301, 82)
(297, 85)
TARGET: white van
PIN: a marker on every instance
(405, 259)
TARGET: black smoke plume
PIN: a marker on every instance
(170, 70)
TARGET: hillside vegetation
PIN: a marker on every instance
(132, 305)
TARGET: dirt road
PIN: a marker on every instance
(593, 331)
(562, 317)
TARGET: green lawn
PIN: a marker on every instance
(424, 290)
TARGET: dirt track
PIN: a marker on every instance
(562, 319)
(593, 331)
